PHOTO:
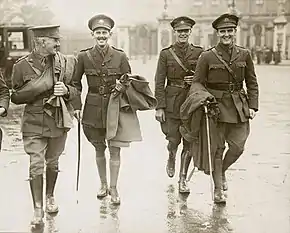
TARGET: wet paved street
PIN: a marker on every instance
(259, 184)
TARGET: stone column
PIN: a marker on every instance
(244, 31)
(165, 32)
(280, 34)
(269, 35)
(123, 41)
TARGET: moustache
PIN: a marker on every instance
(101, 38)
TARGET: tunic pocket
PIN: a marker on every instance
(171, 69)
(244, 99)
(171, 95)
(93, 110)
(217, 72)
(241, 66)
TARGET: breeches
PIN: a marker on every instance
(235, 135)
(41, 150)
(170, 129)
(96, 136)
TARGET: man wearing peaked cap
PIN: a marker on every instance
(37, 82)
(103, 66)
(101, 21)
(173, 77)
(182, 22)
(225, 21)
(51, 31)
(224, 70)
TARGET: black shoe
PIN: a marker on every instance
(103, 191)
(183, 188)
(115, 199)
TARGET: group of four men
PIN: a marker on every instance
(47, 81)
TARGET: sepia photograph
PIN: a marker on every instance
(144, 116)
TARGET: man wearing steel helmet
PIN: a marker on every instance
(173, 77)
(224, 70)
(103, 66)
(38, 79)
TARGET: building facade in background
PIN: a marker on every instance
(263, 23)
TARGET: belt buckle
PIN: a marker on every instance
(102, 90)
(231, 87)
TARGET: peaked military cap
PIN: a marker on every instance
(226, 21)
(51, 31)
(101, 21)
(182, 22)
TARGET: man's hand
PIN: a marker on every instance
(188, 79)
(160, 115)
(120, 87)
(252, 113)
(60, 89)
(2, 111)
(78, 114)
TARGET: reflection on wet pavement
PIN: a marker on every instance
(259, 184)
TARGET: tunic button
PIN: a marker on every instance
(230, 63)
(103, 64)
(103, 75)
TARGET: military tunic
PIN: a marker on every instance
(108, 66)
(233, 100)
(35, 121)
(170, 88)
(4, 95)
(42, 139)
(234, 105)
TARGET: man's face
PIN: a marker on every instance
(101, 36)
(51, 45)
(226, 35)
(182, 35)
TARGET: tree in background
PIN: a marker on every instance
(32, 12)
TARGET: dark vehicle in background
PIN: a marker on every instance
(15, 42)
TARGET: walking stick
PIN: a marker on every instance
(191, 173)
(209, 149)
(79, 155)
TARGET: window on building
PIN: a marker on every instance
(16, 40)
(197, 2)
(215, 2)
(259, 2)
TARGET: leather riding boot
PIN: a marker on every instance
(51, 177)
(184, 164)
(36, 188)
(114, 174)
(102, 170)
(170, 167)
(219, 196)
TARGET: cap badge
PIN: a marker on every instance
(101, 21)
(226, 20)
(182, 22)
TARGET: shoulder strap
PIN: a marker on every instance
(178, 60)
(37, 71)
(225, 64)
(91, 59)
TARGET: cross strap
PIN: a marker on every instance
(94, 64)
(229, 69)
(178, 60)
